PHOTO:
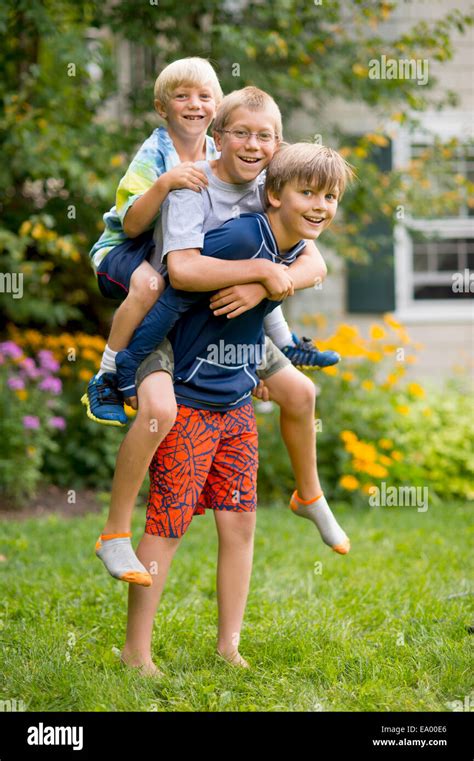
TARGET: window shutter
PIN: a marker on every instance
(371, 286)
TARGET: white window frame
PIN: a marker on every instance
(445, 125)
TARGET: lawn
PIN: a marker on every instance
(383, 629)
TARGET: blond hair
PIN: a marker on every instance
(191, 71)
(308, 164)
(251, 98)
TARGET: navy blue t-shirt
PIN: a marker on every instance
(215, 357)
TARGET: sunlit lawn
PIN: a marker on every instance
(384, 628)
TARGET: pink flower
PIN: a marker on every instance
(57, 422)
(53, 385)
(31, 422)
(15, 383)
(47, 361)
(10, 349)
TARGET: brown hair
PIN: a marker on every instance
(309, 164)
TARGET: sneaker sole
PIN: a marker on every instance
(91, 416)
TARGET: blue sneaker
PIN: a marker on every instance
(104, 402)
(126, 370)
(304, 354)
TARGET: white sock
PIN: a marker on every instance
(277, 328)
(318, 511)
(107, 364)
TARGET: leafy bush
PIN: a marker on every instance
(30, 411)
(375, 428)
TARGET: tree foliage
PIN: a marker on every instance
(62, 159)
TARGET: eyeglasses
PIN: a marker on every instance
(243, 134)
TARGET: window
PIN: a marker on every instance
(433, 255)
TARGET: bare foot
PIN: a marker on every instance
(234, 658)
(132, 401)
(146, 668)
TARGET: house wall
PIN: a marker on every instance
(448, 341)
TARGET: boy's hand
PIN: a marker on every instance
(278, 282)
(261, 392)
(237, 299)
(186, 175)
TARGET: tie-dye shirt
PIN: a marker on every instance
(156, 156)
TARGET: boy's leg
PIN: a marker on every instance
(156, 554)
(124, 272)
(231, 491)
(234, 568)
(295, 394)
(154, 420)
(146, 286)
(176, 482)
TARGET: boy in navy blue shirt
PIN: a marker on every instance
(209, 458)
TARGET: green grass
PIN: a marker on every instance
(374, 631)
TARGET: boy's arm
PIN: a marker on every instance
(182, 225)
(190, 271)
(309, 269)
(145, 209)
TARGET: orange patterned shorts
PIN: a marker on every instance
(208, 460)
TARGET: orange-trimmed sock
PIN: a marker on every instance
(116, 553)
(318, 511)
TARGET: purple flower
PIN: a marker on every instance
(47, 361)
(10, 349)
(32, 422)
(28, 365)
(16, 383)
(57, 422)
(53, 385)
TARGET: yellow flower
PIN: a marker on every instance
(368, 385)
(367, 488)
(377, 332)
(330, 370)
(381, 140)
(350, 483)
(416, 390)
(402, 409)
(22, 394)
(347, 376)
(37, 231)
(347, 331)
(427, 412)
(116, 160)
(374, 356)
(391, 379)
(385, 460)
(348, 436)
(392, 322)
(385, 443)
(397, 456)
(84, 375)
(373, 469)
(89, 354)
(25, 228)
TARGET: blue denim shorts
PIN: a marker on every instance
(117, 267)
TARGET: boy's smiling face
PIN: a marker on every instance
(302, 211)
(190, 109)
(242, 160)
